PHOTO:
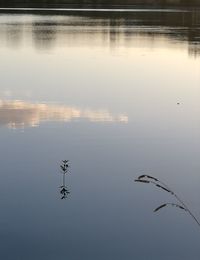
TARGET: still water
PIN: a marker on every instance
(117, 94)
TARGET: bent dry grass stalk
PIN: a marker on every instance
(156, 182)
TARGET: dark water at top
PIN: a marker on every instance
(101, 90)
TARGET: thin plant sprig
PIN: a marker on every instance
(64, 170)
(150, 179)
(65, 166)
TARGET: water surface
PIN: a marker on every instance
(102, 90)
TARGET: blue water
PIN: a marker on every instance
(101, 91)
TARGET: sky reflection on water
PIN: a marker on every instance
(20, 114)
(136, 67)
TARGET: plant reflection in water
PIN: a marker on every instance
(64, 191)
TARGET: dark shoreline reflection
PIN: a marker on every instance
(112, 28)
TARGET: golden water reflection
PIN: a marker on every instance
(51, 30)
(20, 114)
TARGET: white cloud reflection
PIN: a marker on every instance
(20, 114)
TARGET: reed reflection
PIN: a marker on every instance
(104, 28)
(64, 191)
(20, 114)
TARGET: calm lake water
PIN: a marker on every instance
(117, 94)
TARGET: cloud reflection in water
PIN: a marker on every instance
(20, 114)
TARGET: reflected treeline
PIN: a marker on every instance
(44, 35)
(113, 28)
(98, 3)
(64, 191)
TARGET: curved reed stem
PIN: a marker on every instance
(150, 179)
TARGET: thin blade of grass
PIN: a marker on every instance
(143, 181)
(160, 207)
(165, 189)
(141, 177)
(151, 177)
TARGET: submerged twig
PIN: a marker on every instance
(150, 179)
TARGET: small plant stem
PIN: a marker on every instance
(64, 179)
